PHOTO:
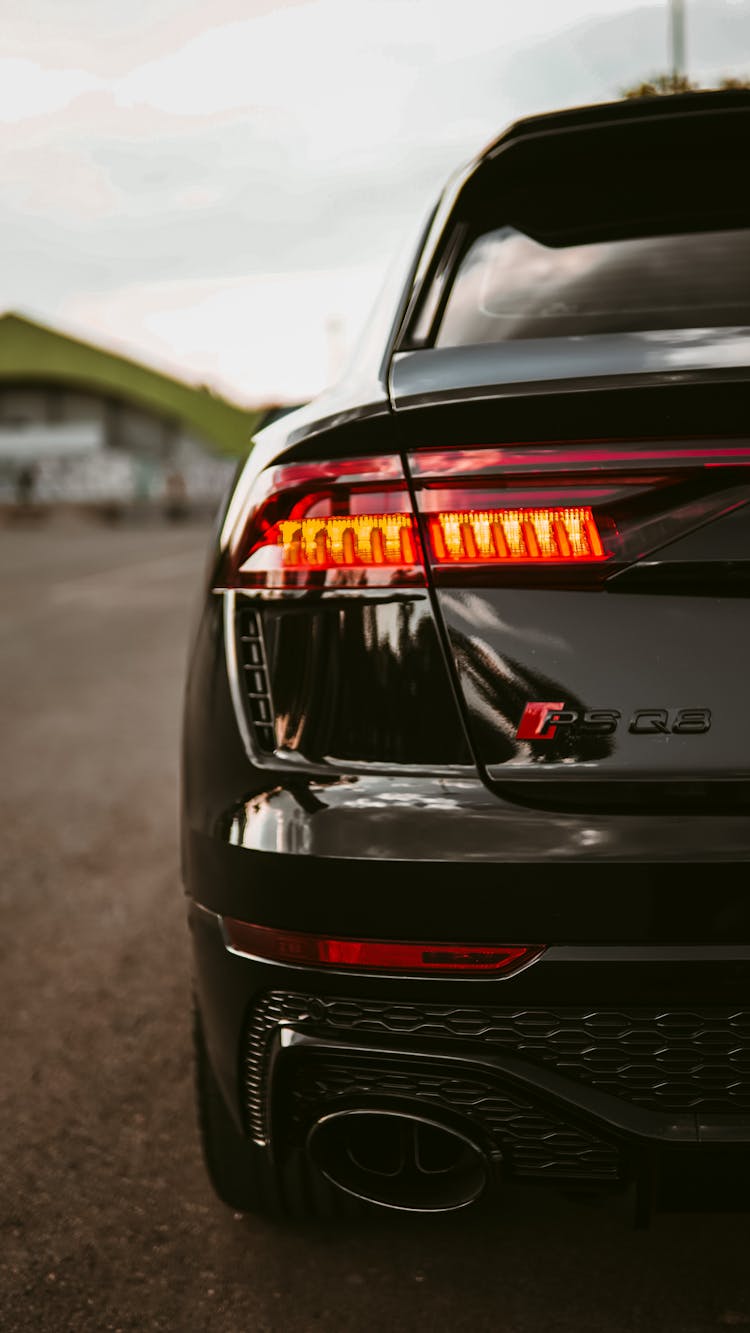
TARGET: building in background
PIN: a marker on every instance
(80, 424)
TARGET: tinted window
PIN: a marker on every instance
(509, 286)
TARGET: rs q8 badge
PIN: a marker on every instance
(542, 721)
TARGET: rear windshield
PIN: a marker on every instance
(508, 286)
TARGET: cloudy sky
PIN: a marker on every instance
(217, 187)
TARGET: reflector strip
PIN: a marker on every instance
(358, 540)
(303, 950)
(498, 535)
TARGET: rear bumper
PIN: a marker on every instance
(536, 1065)
(402, 856)
(590, 1066)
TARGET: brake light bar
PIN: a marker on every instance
(568, 514)
(343, 523)
(353, 542)
(305, 950)
(535, 515)
(494, 536)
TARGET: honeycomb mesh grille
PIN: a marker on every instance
(673, 1059)
(534, 1141)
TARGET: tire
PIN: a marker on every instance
(242, 1174)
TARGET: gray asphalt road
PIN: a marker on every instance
(107, 1221)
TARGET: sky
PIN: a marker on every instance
(217, 188)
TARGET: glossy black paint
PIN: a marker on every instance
(361, 679)
(593, 650)
(387, 811)
(456, 374)
(589, 901)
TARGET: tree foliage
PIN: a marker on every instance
(664, 85)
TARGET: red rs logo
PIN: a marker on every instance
(538, 722)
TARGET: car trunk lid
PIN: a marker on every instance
(592, 588)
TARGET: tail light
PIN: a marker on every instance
(499, 536)
(344, 523)
(304, 950)
(574, 514)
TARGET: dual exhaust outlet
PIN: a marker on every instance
(398, 1159)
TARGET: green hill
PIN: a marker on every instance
(31, 352)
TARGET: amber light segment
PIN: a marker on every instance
(368, 540)
(504, 535)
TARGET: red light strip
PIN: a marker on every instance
(474, 461)
(492, 536)
(303, 950)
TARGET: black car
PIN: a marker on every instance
(466, 774)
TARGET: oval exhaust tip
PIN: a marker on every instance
(398, 1159)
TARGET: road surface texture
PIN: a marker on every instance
(106, 1218)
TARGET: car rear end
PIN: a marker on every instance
(466, 782)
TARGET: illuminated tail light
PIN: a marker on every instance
(568, 514)
(530, 514)
(346, 523)
(496, 536)
(361, 541)
(304, 950)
